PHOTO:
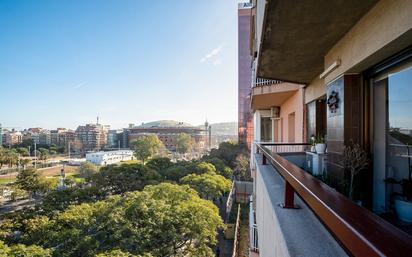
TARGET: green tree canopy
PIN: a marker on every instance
(44, 154)
(242, 167)
(8, 157)
(220, 166)
(87, 170)
(113, 179)
(28, 179)
(209, 185)
(147, 146)
(23, 151)
(20, 250)
(184, 143)
(158, 220)
(159, 164)
(228, 151)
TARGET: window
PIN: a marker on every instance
(392, 133)
(266, 129)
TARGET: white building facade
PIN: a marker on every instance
(110, 157)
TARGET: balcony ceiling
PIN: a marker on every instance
(297, 35)
(265, 97)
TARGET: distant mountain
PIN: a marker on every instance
(224, 128)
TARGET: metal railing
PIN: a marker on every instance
(359, 231)
(253, 232)
(237, 234)
(264, 82)
(286, 147)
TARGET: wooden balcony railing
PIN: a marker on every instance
(359, 231)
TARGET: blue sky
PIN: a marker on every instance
(62, 63)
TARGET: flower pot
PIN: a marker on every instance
(313, 149)
(320, 148)
(404, 210)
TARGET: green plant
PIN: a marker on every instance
(320, 139)
(312, 140)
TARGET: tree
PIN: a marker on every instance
(157, 221)
(28, 180)
(87, 170)
(25, 162)
(184, 143)
(147, 146)
(160, 164)
(209, 185)
(57, 201)
(228, 152)
(120, 253)
(44, 154)
(113, 179)
(204, 167)
(220, 165)
(23, 151)
(21, 250)
(8, 157)
(242, 167)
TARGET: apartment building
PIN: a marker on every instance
(61, 136)
(39, 136)
(91, 137)
(12, 137)
(116, 138)
(341, 69)
(245, 117)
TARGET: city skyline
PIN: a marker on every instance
(95, 63)
(5, 127)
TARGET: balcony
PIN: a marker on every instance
(268, 93)
(298, 215)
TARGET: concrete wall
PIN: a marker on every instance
(287, 232)
(271, 240)
(260, 13)
(383, 31)
(316, 89)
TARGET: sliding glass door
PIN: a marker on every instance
(392, 134)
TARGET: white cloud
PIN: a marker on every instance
(217, 62)
(212, 54)
(78, 85)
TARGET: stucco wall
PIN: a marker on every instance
(315, 89)
(293, 104)
(383, 31)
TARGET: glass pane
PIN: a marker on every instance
(399, 137)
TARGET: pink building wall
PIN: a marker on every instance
(293, 105)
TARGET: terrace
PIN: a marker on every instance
(297, 214)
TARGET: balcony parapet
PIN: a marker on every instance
(267, 95)
(359, 231)
(258, 82)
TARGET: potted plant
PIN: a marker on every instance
(312, 142)
(320, 144)
(355, 160)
